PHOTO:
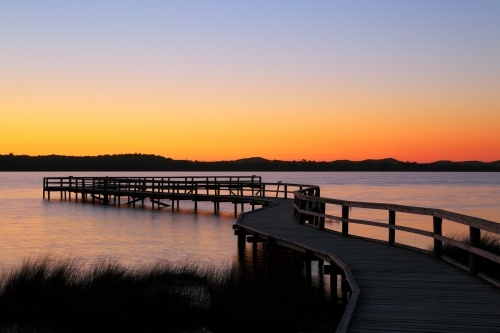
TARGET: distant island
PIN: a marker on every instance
(145, 162)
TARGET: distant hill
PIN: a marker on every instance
(252, 160)
(143, 162)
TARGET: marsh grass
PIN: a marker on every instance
(488, 242)
(45, 295)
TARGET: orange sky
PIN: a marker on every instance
(315, 90)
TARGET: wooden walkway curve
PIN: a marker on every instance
(401, 290)
(392, 288)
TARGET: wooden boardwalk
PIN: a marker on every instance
(391, 288)
(400, 290)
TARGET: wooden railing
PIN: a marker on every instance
(310, 208)
(198, 185)
(230, 185)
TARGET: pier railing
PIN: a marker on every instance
(310, 208)
(198, 185)
(230, 185)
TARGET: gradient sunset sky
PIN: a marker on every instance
(222, 80)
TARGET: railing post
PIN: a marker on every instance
(392, 232)
(70, 185)
(295, 203)
(438, 230)
(322, 210)
(345, 224)
(302, 206)
(475, 240)
(105, 201)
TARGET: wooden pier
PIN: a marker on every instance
(134, 190)
(389, 287)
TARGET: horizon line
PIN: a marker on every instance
(254, 158)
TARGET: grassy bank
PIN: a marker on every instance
(47, 295)
(488, 242)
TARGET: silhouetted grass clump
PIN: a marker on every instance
(71, 296)
(64, 295)
(488, 242)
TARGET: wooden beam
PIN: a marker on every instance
(158, 202)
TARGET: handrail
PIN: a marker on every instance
(312, 209)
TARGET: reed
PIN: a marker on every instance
(488, 242)
(46, 295)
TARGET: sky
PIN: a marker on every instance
(223, 80)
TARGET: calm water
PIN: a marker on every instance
(31, 226)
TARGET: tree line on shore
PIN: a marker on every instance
(149, 162)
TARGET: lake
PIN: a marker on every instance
(33, 227)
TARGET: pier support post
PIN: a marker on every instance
(254, 249)
(344, 287)
(333, 283)
(270, 254)
(308, 269)
(105, 196)
(242, 235)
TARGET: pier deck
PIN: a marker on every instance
(391, 288)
